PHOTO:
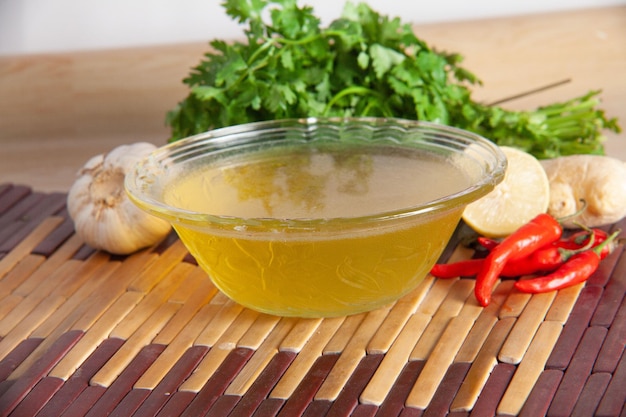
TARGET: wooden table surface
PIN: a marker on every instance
(59, 110)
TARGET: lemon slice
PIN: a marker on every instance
(523, 194)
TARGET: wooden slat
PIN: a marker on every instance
(20, 273)
(530, 368)
(203, 291)
(481, 367)
(152, 301)
(525, 328)
(220, 350)
(450, 307)
(261, 357)
(309, 354)
(95, 335)
(301, 333)
(438, 362)
(28, 244)
(396, 359)
(351, 355)
(397, 318)
(175, 349)
(140, 338)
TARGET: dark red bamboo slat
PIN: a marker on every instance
(20, 389)
(577, 372)
(17, 356)
(79, 380)
(116, 392)
(306, 390)
(394, 402)
(348, 398)
(592, 393)
(487, 402)
(574, 328)
(218, 383)
(262, 386)
(440, 405)
(172, 381)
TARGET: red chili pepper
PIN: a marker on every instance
(574, 241)
(539, 232)
(467, 268)
(487, 242)
(576, 270)
(542, 260)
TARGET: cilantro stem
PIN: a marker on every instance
(354, 90)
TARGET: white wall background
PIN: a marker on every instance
(40, 26)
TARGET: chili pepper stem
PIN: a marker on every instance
(575, 214)
(612, 240)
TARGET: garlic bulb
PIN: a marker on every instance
(103, 215)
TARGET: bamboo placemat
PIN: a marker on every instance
(83, 333)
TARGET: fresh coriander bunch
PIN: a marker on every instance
(361, 64)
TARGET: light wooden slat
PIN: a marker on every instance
(256, 335)
(395, 360)
(525, 328)
(45, 285)
(481, 367)
(38, 306)
(53, 326)
(152, 301)
(351, 356)
(342, 337)
(95, 335)
(30, 242)
(311, 351)
(438, 362)
(56, 324)
(301, 333)
(449, 308)
(52, 264)
(487, 318)
(155, 272)
(108, 291)
(219, 351)
(175, 348)
(436, 294)
(529, 368)
(224, 317)
(261, 357)
(86, 305)
(204, 291)
(397, 318)
(16, 276)
(564, 303)
(8, 303)
(190, 288)
(21, 332)
(140, 338)
(514, 304)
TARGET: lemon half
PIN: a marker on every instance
(523, 194)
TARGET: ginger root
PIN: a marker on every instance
(595, 185)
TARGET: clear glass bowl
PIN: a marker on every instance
(317, 217)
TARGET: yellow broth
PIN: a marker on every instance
(335, 267)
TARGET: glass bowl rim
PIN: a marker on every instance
(177, 215)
